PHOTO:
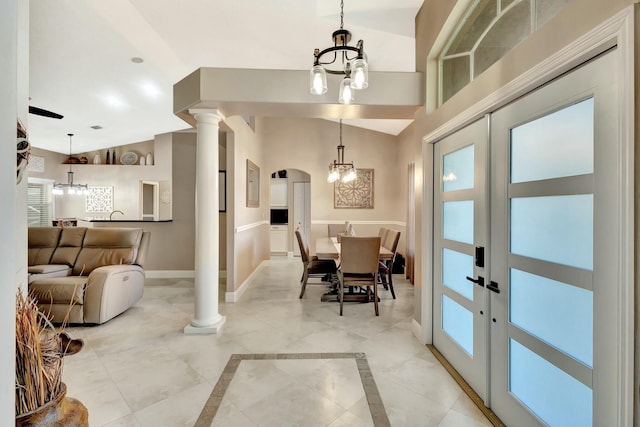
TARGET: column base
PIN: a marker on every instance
(206, 329)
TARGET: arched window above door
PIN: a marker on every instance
(486, 32)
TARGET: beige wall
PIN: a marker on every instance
(249, 241)
(310, 145)
(125, 180)
(410, 151)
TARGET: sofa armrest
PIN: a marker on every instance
(111, 290)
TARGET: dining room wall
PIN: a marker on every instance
(310, 145)
(248, 241)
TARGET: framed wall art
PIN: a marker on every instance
(357, 194)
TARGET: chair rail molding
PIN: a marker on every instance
(246, 227)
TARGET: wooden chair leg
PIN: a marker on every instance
(375, 295)
(305, 277)
(341, 294)
(393, 293)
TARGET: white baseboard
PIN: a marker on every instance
(416, 328)
(177, 274)
(236, 295)
(170, 274)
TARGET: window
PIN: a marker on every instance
(488, 30)
(39, 204)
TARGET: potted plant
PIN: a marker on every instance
(40, 393)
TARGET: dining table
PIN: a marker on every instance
(329, 248)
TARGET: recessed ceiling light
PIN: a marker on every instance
(114, 101)
(96, 127)
(137, 60)
(150, 89)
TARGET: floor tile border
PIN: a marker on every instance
(376, 406)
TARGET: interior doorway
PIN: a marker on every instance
(290, 207)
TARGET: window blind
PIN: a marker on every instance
(39, 205)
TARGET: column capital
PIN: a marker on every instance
(207, 115)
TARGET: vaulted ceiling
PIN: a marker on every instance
(81, 56)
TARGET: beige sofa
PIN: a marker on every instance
(86, 275)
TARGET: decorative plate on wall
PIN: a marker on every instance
(129, 158)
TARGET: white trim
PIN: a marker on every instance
(331, 221)
(250, 226)
(418, 331)
(170, 274)
(34, 180)
(236, 295)
(626, 189)
(597, 41)
(177, 274)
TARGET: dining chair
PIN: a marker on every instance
(312, 266)
(334, 229)
(359, 265)
(385, 267)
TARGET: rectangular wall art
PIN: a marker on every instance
(357, 194)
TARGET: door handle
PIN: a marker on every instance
(493, 287)
(479, 281)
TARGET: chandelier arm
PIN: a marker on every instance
(359, 51)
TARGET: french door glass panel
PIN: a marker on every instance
(456, 267)
(554, 396)
(458, 170)
(559, 144)
(457, 322)
(458, 221)
(555, 312)
(557, 229)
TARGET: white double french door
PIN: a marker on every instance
(526, 225)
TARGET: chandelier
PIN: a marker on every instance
(70, 187)
(339, 170)
(355, 68)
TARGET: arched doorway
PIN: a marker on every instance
(290, 207)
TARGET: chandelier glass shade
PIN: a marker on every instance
(70, 187)
(353, 64)
(339, 169)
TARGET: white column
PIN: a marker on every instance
(206, 319)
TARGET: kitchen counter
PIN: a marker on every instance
(122, 220)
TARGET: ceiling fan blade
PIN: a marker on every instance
(42, 112)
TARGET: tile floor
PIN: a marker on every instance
(140, 370)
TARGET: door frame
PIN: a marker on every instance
(616, 31)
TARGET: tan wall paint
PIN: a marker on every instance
(410, 151)
(124, 180)
(310, 145)
(249, 247)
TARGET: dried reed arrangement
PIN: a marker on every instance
(38, 357)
